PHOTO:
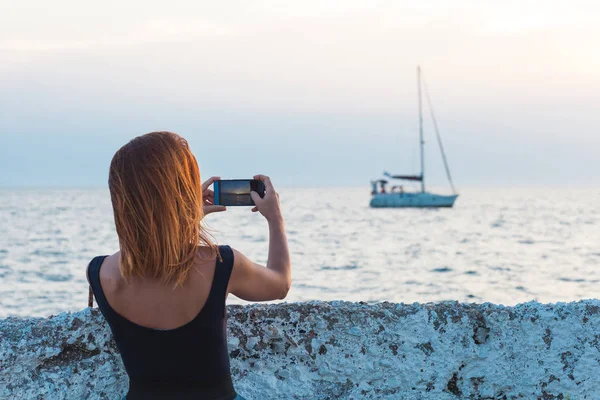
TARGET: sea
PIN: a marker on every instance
(505, 246)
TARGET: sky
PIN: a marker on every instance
(312, 93)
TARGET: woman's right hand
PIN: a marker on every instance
(268, 205)
(251, 281)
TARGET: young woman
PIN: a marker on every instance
(163, 294)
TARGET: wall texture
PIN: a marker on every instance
(338, 350)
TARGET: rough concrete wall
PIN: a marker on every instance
(338, 350)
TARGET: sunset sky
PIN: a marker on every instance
(309, 92)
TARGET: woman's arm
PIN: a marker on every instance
(251, 281)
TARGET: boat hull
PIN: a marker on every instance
(411, 200)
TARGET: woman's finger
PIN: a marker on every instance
(256, 198)
(209, 182)
(267, 181)
(212, 209)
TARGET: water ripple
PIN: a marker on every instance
(503, 246)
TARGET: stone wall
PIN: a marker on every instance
(338, 350)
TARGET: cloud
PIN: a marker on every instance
(510, 77)
(145, 32)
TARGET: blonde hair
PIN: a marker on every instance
(156, 194)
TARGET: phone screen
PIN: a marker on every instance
(236, 192)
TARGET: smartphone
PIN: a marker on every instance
(236, 192)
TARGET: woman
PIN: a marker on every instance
(163, 294)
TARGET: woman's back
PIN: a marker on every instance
(163, 294)
(151, 303)
(170, 339)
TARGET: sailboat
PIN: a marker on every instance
(397, 197)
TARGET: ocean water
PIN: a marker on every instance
(497, 245)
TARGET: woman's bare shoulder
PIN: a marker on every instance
(111, 262)
(206, 253)
(110, 274)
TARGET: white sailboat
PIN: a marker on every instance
(397, 197)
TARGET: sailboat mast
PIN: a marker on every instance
(422, 142)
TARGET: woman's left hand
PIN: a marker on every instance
(208, 197)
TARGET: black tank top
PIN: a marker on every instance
(188, 362)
